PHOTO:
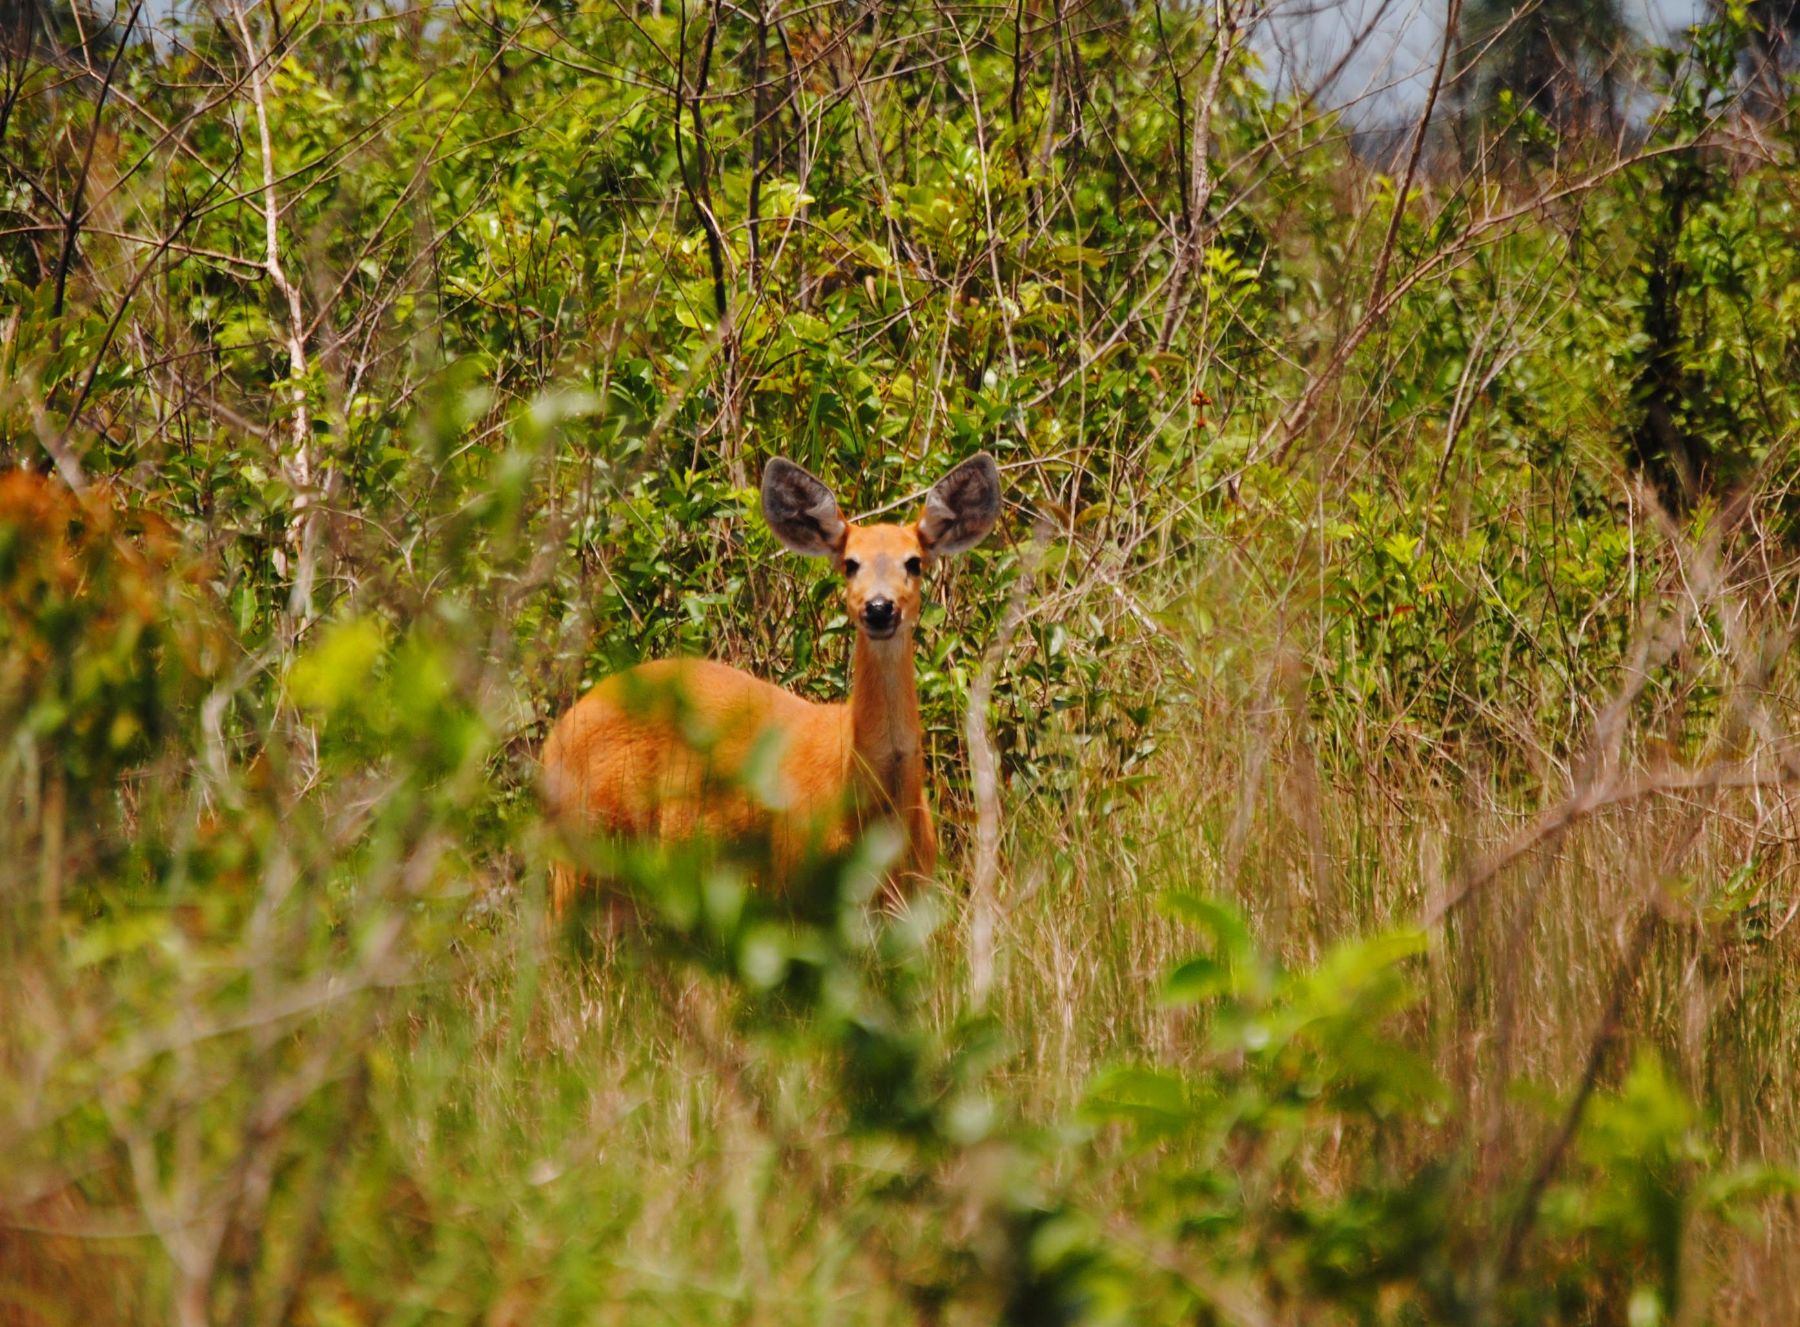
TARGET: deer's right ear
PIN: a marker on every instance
(801, 511)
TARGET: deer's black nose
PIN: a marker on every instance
(880, 614)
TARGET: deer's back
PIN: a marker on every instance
(688, 746)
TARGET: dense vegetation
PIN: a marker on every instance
(1387, 656)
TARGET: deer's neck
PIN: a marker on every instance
(884, 715)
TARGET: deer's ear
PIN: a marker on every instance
(801, 511)
(962, 507)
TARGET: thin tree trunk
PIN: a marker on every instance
(299, 465)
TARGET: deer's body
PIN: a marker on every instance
(683, 748)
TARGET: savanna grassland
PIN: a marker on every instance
(1384, 910)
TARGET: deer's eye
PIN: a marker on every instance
(851, 566)
(913, 566)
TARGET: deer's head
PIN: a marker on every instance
(883, 565)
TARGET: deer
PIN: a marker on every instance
(684, 748)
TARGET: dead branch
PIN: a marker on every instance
(984, 780)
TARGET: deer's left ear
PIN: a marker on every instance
(962, 507)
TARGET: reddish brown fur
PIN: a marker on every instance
(663, 749)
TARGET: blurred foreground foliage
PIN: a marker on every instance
(276, 1062)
